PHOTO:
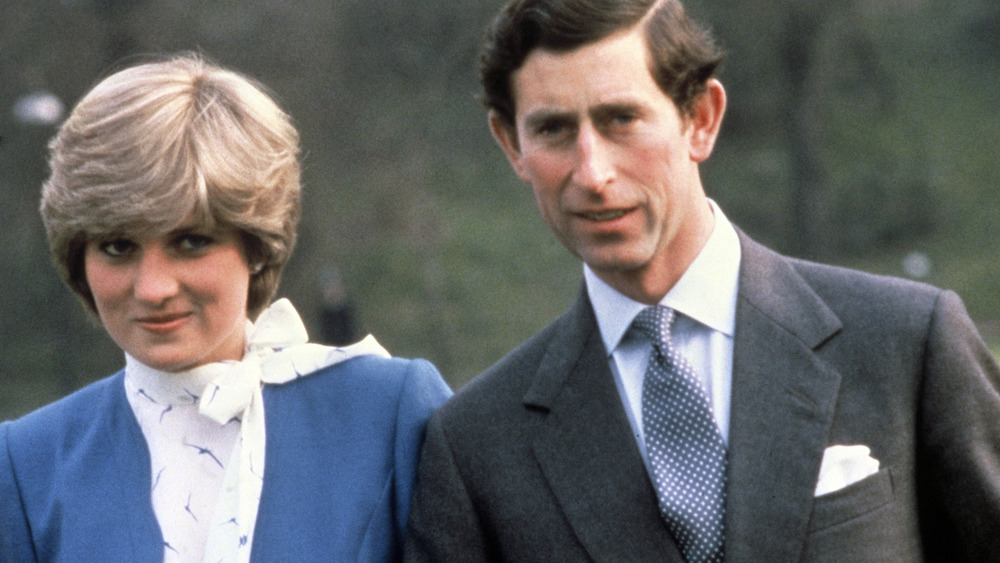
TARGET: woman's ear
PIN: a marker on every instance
(706, 119)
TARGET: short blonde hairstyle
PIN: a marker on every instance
(154, 144)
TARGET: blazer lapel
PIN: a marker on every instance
(783, 402)
(587, 451)
(131, 460)
(111, 481)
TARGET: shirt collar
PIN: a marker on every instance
(706, 292)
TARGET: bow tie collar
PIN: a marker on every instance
(277, 351)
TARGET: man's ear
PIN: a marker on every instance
(706, 119)
(506, 136)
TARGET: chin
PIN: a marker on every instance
(617, 262)
(166, 363)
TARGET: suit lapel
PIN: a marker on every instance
(783, 402)
(586, 449)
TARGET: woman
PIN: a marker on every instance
(170, 211)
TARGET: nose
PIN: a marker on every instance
(594, 167)
(155, 280)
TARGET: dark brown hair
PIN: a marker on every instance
(683, 54)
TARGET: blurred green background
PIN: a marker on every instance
(860, 132)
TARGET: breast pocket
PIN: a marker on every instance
(853, 501)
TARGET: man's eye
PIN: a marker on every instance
(623, 119)
(117, 248)
(194, 243)
(552, 129)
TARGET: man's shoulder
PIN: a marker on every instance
(841, 288)
(503, 385)
(851, 287)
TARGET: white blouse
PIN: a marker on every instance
(205, 431)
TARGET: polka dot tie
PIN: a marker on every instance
(685, 447)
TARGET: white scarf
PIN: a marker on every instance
(277, 351)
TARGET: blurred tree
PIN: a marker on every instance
(46, 340)
(119, 42)
(862, 179)
(855, 128)
(802, 25)
(843, 167)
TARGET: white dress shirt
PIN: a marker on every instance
(705, 300)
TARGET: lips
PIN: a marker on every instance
(163, 323)
(604, 214)
(609, 215)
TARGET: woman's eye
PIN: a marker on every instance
(194, 243)
(117, 248)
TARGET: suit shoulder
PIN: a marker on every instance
(848, 287)
(504, 384)
(815, 300)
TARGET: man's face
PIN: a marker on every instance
(611, 160)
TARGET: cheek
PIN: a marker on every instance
(239, 298)
(546, 174)
(231, 288)
(660, 169)
(547, 201)
(544, 166)
(106, 284)
(109, 290)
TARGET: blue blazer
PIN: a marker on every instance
(342, 448)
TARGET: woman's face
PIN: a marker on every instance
(175, 301)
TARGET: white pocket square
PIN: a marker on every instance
(844, 465)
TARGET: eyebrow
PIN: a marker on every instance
(604, 110)
(542, 116)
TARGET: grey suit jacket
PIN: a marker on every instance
(534, 460)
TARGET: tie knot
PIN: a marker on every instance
(654, 323)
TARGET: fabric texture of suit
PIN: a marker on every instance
(535, 461)
(342, 447)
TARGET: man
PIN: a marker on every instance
(833, 415)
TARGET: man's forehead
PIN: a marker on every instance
(625, 43)
(610, 72)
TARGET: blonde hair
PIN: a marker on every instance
(153, 145)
